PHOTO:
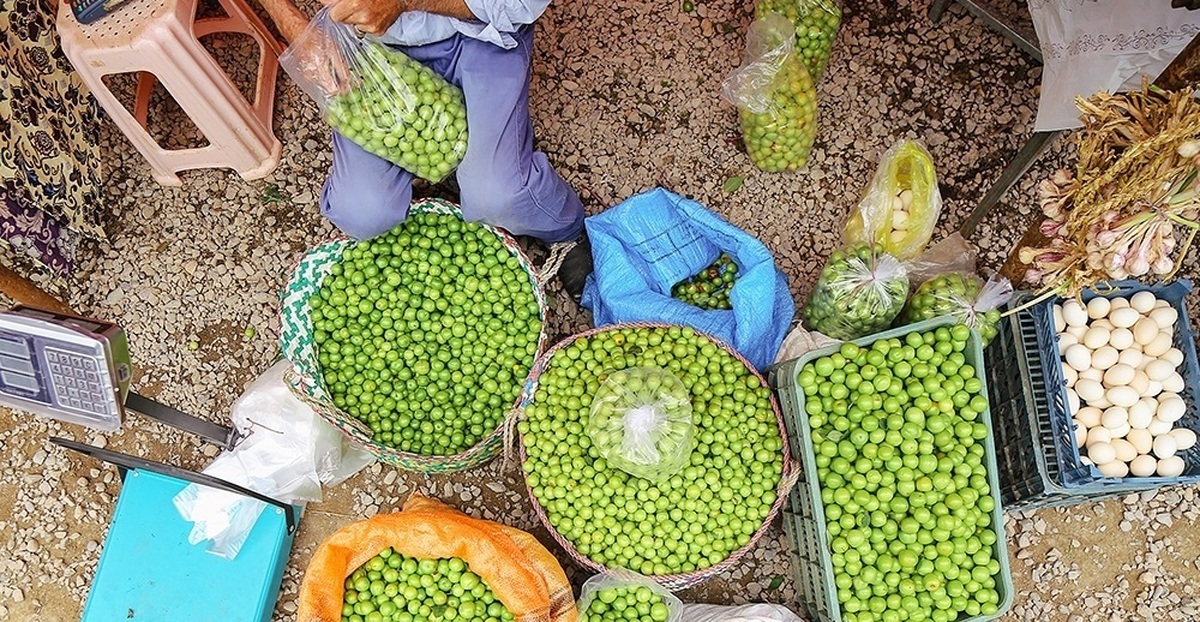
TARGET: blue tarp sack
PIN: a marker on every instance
(644, 246)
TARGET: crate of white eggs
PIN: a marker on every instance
(1123, 361)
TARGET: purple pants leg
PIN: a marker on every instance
(503, 182)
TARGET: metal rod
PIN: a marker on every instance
(133, 462)
(1012, 173)
(215, 433)
(936, 9)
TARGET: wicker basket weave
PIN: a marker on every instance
(673, 582)
(305, 378)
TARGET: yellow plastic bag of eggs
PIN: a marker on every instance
(1123, 380)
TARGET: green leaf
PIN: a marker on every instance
(733, 183)
(271, 194)
(775, 583)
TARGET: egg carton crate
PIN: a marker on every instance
(1040, 466)
(804, 515)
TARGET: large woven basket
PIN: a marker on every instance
(673, 582)
(306, 381)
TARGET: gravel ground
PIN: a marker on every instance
(625, 97)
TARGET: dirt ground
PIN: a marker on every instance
(625, 96)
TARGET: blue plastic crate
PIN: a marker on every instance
(1055, 424)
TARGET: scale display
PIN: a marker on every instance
(68, 368)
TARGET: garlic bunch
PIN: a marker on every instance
(1123, 384)
(901, 211)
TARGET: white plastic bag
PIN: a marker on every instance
(618, 584)
(287, 452)
(759, 612)
(1102, 45)
(641, 422)
(775, 96)
(801, 340)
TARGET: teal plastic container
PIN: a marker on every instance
(804, 517)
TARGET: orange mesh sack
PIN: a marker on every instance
(521, 573)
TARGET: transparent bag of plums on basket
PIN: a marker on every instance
(641, 422)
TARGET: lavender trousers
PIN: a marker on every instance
(502, 180)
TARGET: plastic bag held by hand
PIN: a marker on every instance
(641, 422)
(606, 586)
(391, 105)
(287, 452)
(740, 613)
(964, 296)
(901, 205)
(775, 96)
(859, 292)
(816, 23)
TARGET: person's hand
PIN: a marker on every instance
(369, 16)
(1190, 5)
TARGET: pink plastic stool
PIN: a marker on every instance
(161, 39)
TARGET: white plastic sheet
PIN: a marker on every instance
(287, 452)
(1103, 45)
(741, 613)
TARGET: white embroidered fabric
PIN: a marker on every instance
(1103, 45)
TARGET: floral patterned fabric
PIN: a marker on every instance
(49, 140)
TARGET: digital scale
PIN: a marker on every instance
(77, 370)
(88, 11)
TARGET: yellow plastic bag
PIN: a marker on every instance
(518, 569)
(902, 204)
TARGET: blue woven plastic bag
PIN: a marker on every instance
(644, 246)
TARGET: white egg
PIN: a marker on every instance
(1174, 383)
(1098, 307)
(1153, 389)
(1119, 303)
(1158, 427)
(1143, 466)
(1080, 435)
(1160, 303)
(1141, 440)
(1165, 446)
(1066, 340)
(1114, 417)
(1092, 373)
(1171, 467)
(1077, 332)
(1185, 439)
(1173, 356)
(1098, 435)
(1089, 390)
(1124, 318)
(1119, 375)
(1116, 469)
(1123, 396)
(1141, 414)
(1140, 383)
(1119, 432)
(1145, 331)
(1070, 375)
(1072, 401)
(1159, 345)
(1131, 357)
(1143, 301)
(1159, 370)
(1101, 403)
(1060, 324)
(1171, 409)
(1089, 416)
(1078, 356)
(1097, 336)
(1120, 338)
(1074, 313)
(1105, 357)
(1101, 453)
(1165, 317)
(1124, 449)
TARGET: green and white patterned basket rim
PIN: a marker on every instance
(297, 346)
